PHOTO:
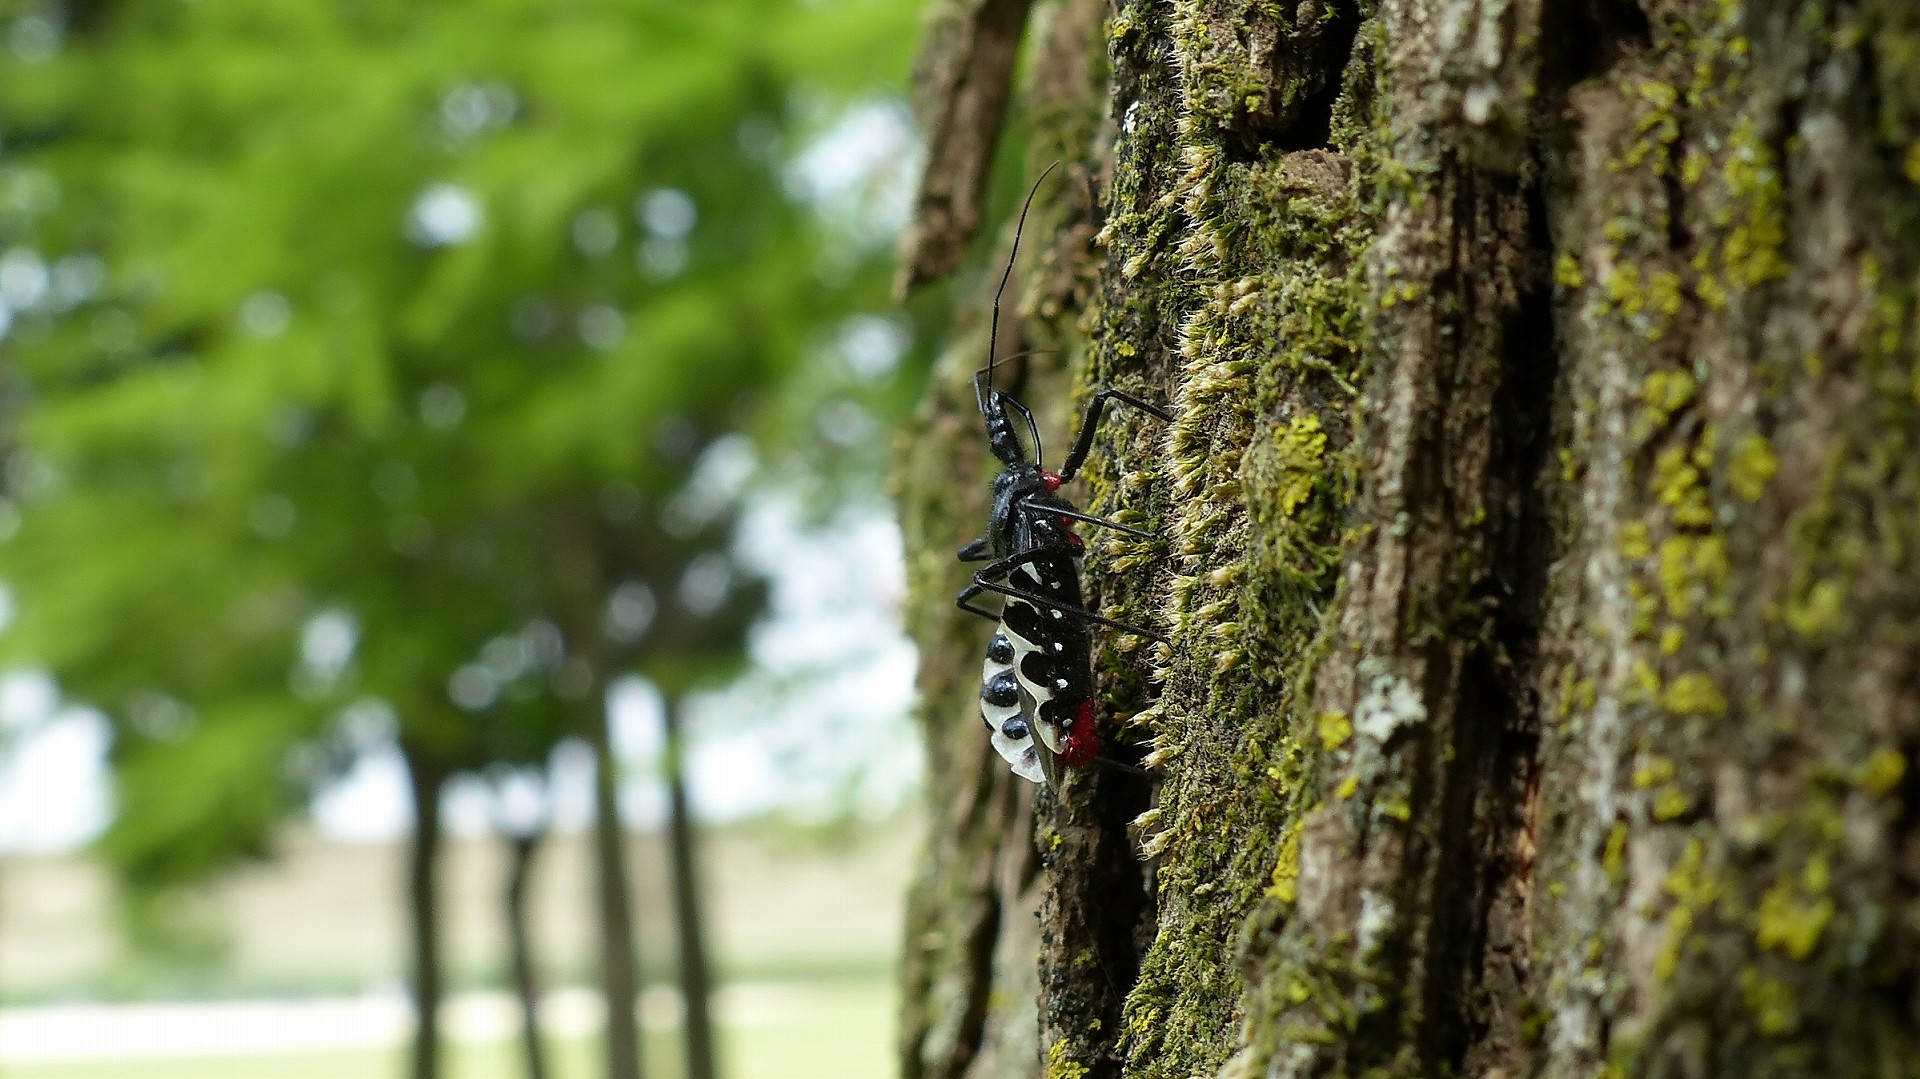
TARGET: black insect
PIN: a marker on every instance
(1038, 675)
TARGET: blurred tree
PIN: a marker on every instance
(370, 359)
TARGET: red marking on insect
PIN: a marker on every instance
(1073, 539)
(1052, 480)
(1083, 741)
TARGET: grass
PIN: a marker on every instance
(820, 1031)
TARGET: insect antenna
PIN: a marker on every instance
(980, 389)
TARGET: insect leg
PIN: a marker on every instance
(964, 601)
(1122, 766)
(1032, 510)
(1090, 423)
(976, 550)
(981, 580)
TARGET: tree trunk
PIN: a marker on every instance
(521, 849)
(689, 925)
(619, 981)
(1537, 549)
(423, 910)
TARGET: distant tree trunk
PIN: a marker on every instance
(619, 975)
(521, 849)
(689, 929)
(1540, 559)
(423, 910)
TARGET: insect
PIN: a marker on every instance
(1036, 688)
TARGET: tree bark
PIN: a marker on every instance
(619, 974)
(521, 850)
(426, 778)
(1537, 550)
(696, 987)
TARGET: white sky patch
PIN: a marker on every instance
(24, 278)
(54, 794)
(719, 479)
(520, 805)
(266, 314)
(570, 773)
(859, 172)
(820, 725)
(871, 346)
(27, 698)
(369, 804)
(443, 215)
(666, 212)
(639, 738)
(327, 642)
(466, 806)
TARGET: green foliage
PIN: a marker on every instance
(415, 316)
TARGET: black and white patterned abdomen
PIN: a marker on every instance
(1000, 705)
(1052, 652)
(1038, 676)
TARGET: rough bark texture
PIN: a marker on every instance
(964, 84)
(1537, 553)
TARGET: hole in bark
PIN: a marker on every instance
(1308, 124)
(1097, 915)
(1594, 35)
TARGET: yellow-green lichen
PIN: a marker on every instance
(1286, 867)
(1695, 694)
(1671, 803)
(1645, 684)
(1566, 271)
(1671, 639)
(1751, 468)
(1693, 574)
(1694, 891)
(1302, 445)
(1625, 291)
(1060, 1065)
(1667, 390)
(1774, 1004)
(1677, 484)
(1755, 229)
(1817, 614)
(1646, 608)
(1633, 542)
(1882, 772)
(1655, 771)
(1794, 913)
(1614, 859)
(1334, 729)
